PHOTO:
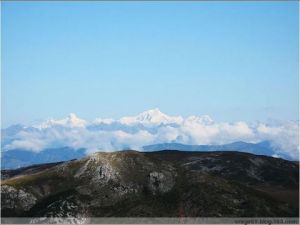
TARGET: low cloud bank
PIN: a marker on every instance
(149, 127)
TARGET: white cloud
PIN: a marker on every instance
(284, 136)
(150, 127)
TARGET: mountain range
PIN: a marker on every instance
(261, 148)
(72, 137)
(17, 158)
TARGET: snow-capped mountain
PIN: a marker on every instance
(71, 121)
(147, 128)
(151, 117)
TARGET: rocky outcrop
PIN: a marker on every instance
(19, 200)
(159, 182)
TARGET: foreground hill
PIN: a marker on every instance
(155, 184)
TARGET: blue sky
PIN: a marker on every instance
(231, 60)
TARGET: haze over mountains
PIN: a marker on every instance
(73, 137)
(19, 158)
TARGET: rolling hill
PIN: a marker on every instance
(155, 184)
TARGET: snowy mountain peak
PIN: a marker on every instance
(70, 121)
(152, 116)
(74, 121)
(72, 116)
